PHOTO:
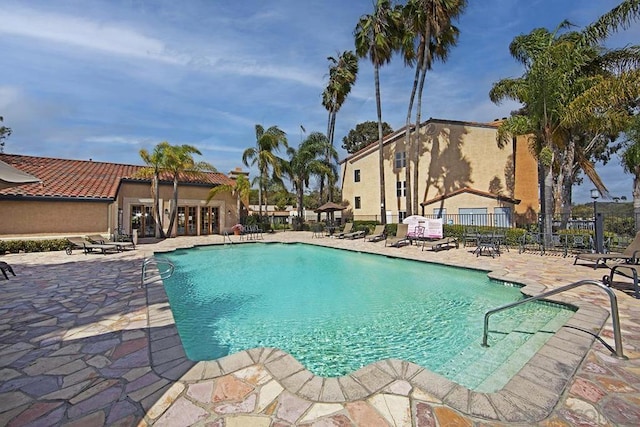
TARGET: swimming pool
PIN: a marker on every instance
(336, 311)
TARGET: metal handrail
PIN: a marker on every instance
(162, 274)
(615, 318)
(225, 237)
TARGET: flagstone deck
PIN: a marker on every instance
(81, 344)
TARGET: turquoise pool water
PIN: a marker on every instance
(336, 311)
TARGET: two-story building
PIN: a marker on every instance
(464, 176)
(77, 197)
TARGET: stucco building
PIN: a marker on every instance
(77, 197)
(464, 176)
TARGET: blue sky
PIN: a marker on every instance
(85, 79)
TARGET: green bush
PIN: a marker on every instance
(17, 246)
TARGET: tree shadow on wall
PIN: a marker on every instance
(448, 169)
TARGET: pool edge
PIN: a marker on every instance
(527, 396)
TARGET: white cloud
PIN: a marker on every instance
(78, 31)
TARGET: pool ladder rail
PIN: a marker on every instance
(225, 238)
(161, 269)
(615, 317)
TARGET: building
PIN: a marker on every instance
(77, 197)
(465, 177)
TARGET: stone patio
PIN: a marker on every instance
(82, 344)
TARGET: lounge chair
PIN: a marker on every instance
(355, 234)
(379, 233)
(4, 267)
(120, 246)
(86, 246)
(400, 239)
(440, 244)
(630, 254)
(347, 229)
(626, 270)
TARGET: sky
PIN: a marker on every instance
(88, 79)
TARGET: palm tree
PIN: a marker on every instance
(306, 161)
(574, 95)
(241, 189)
(343, 72)
(178, 162)
(430, 22)
(263, 154)
(155, 166)
(631, 164)
(376, 37)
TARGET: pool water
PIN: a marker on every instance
(336, 311)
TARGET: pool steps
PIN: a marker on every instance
(507, 355)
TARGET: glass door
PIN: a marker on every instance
(205, 221)
(143, 221)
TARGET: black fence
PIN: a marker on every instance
(613, 225)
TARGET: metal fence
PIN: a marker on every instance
(613, 225)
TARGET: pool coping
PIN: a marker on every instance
(529, 396)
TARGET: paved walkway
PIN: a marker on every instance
(82, 344)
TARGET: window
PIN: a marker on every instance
(401, 216)
(357, 202)
(502, 217)
(401, 160)
(356, 175)
(401, 188)
(473, 216)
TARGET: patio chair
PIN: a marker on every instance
(120, 246)
(4, 267)
(379, 233)
(630, 254)
(86, 246)
(400, 239)
(347, 229)
(317, 230)
(627, 270)
(416, 235)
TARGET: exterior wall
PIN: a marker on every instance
(57, 218)
(136, 194)
(526, 188)
(53, 218)
(453, 155)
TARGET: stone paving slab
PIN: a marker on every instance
(81, 343)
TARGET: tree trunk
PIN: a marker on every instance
(383, 216)
(416, 142)
(409, 146)
(300, 213)
(566, 183)
(174, 208)
(636, 198)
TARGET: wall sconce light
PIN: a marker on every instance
(229, 212)
(166, 211)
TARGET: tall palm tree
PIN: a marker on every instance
(430, 23)
(631, 164)
(241, 188)
(306, 161)
(268, 142)
(155, 166)
(179, 162)
(376, 37)
(571, 88)
(343, 71)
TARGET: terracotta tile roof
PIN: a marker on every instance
(64, 178)
(471, 191)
